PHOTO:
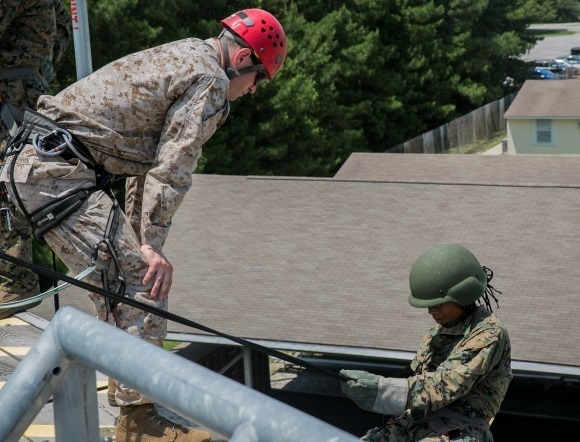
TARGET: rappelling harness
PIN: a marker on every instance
(436, 420)
(50, 140)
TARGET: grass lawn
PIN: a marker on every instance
(550, 32)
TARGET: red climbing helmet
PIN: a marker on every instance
(263, 34)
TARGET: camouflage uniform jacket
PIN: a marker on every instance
(32, 31)
(147, 115)
(466, 367)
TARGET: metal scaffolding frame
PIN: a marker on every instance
(63, 363)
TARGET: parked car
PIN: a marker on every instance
(549, 65)
(568, 67)
(571, 58)
(544, 74)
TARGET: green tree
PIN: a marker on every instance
(566, 11)
(364, 75)
(361, 75)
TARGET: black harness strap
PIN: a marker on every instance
(11, 117)
(49, 139)
(110, 231)
(51, 215)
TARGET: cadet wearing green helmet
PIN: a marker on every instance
(462, 368)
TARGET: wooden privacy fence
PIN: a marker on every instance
(462, 135)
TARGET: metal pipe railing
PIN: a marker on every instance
(74, 341)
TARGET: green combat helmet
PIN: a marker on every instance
(446, 273)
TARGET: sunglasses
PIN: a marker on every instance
(260, 79)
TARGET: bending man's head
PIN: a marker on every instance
(254, 48)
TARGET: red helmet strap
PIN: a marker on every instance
(232, 73)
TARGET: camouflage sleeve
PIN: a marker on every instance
(188, 124)
(134, 200)
(7, 14)
(63, 29)
(458, 373)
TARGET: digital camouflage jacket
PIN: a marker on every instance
(466, 367)
(146, 116)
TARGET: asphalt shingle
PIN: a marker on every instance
(326, 261)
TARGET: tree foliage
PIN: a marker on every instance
(566, 11)
(361, 75)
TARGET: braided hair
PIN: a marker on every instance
(490, 291)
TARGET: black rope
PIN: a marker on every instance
(169, 316)
(55, 283)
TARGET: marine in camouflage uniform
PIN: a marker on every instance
(33, 34)
(145, 116)
(134, 122)
(462, 368)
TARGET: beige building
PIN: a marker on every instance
(545, 118)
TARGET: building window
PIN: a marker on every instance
(543, 132)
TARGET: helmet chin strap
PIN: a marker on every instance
(226, 55)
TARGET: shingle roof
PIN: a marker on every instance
(326, 261)
(548, 99)
(494, 170)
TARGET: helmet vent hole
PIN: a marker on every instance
(269, 37)
(263, 31)
(263, 21)
(271, 28)
(275, 45)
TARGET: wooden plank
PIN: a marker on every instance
(100, 384)
(13, 335)
(40, 431)
(7, 366)
(12, 321)
(18, 352)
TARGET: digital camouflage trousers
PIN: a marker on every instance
(15, 281)
(40, 181)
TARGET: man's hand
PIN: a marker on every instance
(159, 270)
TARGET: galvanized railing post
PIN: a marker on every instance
(31, 385)
(76, 411)
(192, 391)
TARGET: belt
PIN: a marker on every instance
(16, 72)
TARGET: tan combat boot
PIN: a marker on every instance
(141, 423)
(111, 390)
(13, 297)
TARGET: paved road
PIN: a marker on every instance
(551, 47)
